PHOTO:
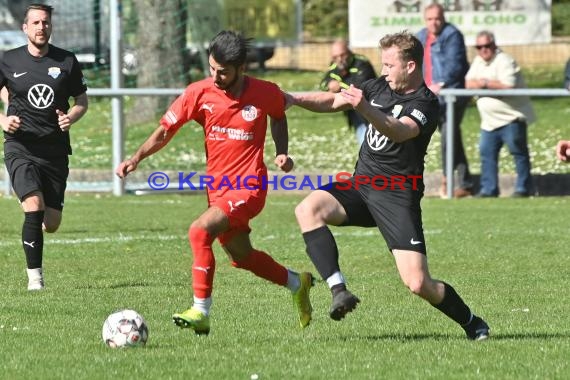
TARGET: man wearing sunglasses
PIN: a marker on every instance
(504, 119)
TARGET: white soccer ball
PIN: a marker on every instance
(125, 328)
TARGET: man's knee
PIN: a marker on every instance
(50, 227)
(238, 248)
(421, 285)
(52, 220)
(240, 259)
(415, 285)
(199, 235)
(303, 210)
(308, 209)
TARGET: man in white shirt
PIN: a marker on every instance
(504, 119)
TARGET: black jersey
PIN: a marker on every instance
(381, 156)
(38, 86)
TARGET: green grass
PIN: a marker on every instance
(318, 142)
(507, 258)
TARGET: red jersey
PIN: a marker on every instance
(234, 128)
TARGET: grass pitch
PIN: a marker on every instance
(508, 258)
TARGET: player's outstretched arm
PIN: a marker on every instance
(156, 141)
(317, 101)
(563, 150)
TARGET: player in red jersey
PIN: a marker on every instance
(233, 109)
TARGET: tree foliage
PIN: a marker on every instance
(561, 18)
(325, 19)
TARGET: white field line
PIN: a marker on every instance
(96, 240)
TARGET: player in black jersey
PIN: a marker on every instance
(40, 79)
(387, 185)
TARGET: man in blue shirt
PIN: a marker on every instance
(445, 66)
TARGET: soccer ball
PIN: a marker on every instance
(125, 328)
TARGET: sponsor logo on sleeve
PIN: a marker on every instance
(420, 116)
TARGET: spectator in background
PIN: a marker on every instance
(567, 75)
(445, 65)
(504, 119)
(348, 68)
(563, 150)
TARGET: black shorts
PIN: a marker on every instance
(30, 174)
(396, 213)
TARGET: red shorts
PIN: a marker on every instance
(240, 206)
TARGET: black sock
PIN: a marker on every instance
(453, 306)
(322, 249)
(33, 238)
(338, 288)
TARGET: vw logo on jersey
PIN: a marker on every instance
(249, 113)
(41, 96)
(54, 72)
(376, 140)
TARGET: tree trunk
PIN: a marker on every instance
(160, 45)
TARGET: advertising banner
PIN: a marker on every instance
(512, 22)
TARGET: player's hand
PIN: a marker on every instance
(125, 168)
(352, 95)
(563, 150)
(12, 124)
(63, 120)
(284, 162)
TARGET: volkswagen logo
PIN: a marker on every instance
(41, 96)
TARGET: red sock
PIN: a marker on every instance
(204, 264)
(263, 265)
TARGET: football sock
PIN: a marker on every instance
(204, 264)
(35, 274)
(470, 320)
(263, 265)
(203, 304)
(33, 238)
(453, 306)
(336, 280)
(321, 248)
(338, 288)
(293, 280)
